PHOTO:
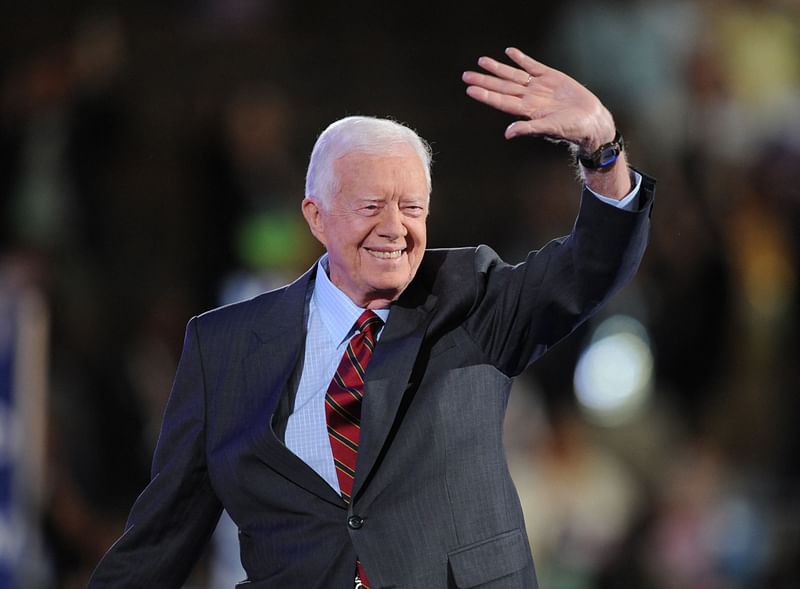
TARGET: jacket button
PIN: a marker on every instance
(355, 522)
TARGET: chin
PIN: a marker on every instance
(389, 290)
(398, 281)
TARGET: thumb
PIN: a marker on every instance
(516, 129)
(528, 127)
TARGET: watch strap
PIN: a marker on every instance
(604, 156)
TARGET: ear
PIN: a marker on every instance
(313, 213)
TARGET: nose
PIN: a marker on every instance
(391, 224)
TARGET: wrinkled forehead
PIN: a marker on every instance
(398, 168)
(382, 147)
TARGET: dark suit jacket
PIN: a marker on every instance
(433, 501)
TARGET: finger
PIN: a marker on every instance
(493, 83)
(530, 65)
(509, 104)
(504, 71)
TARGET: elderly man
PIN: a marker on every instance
(351, 422)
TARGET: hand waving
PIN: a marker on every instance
(550, 103)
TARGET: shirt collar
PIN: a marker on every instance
(337, 311)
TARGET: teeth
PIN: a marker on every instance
(388, 255)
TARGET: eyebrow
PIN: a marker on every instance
(422, 199)
(408, 198)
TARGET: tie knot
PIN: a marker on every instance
(368, 323)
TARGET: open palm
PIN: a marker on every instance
(550, 103)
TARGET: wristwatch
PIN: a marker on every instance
(604, 156)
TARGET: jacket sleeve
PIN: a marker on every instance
(172, 519)
(520, 311)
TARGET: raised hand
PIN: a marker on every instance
(549, 102)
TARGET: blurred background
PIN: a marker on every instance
(152, 160)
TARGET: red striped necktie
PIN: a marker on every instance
(343, 407)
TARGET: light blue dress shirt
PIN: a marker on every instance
(629, 201)
(331, 319)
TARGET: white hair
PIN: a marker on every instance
(368, 135)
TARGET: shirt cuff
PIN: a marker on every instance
(629, 202)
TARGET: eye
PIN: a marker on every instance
(369, 209)
(413, 209)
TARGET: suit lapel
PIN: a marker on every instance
(387, 380)
(278, 344)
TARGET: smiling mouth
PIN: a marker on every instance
(385, 255)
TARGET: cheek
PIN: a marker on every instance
(419, 233)
(348, 241)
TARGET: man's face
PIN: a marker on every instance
(374, 226)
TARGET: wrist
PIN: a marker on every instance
(614, 182)
(603, 157)
(601, 132)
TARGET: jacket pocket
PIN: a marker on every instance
(490, 559)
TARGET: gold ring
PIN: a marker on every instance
(528, 81)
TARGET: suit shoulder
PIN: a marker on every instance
(456, 276)
(445, 269)
(239, 314)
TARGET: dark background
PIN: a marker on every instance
(152, 161)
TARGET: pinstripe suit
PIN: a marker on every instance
(432, 494)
